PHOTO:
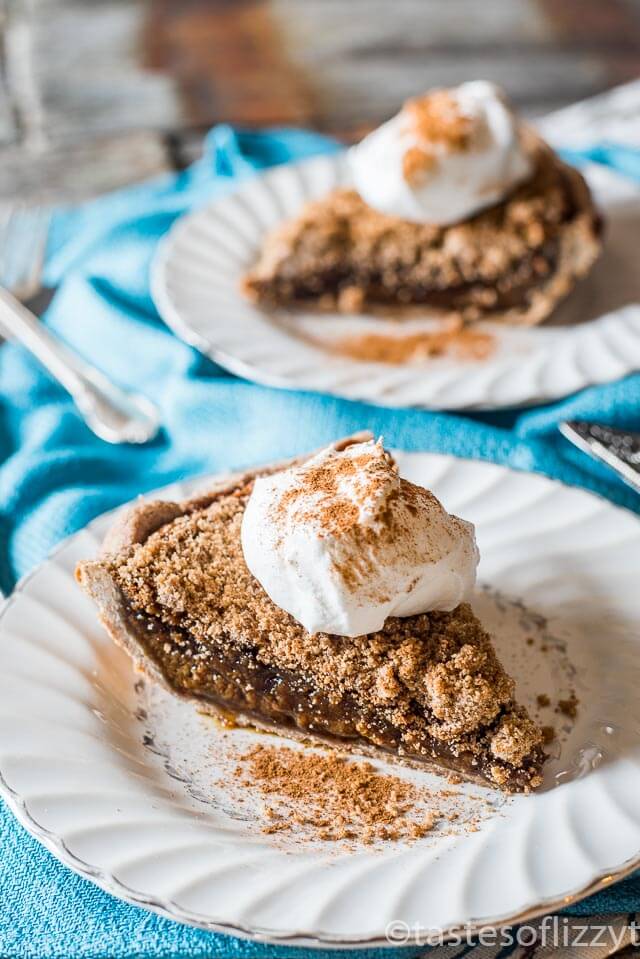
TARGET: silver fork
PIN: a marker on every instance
(114, 414)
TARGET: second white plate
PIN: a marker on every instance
(593, 338)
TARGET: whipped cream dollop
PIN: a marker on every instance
(445, 156)
(341, 542)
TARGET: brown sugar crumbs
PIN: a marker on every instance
(338, 798)
(548, 734)
(568, 707)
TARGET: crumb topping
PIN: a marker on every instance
(512, 739)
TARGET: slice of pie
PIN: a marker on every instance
(456, 208)
(173, 589)
(514, 261)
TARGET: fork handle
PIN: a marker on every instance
(110, 412)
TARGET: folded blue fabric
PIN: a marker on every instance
(56, 476)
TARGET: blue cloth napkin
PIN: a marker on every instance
(56, 476)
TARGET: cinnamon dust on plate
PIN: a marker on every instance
(337, 797)
(460, 342)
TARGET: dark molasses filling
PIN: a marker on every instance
(240, 683)
(398, 286)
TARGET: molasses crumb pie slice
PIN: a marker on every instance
(324, 599)
(456, 207)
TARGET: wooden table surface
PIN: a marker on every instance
(98, 93)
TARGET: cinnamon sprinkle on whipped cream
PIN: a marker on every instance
(435, 119)
(341, 542)
(444, 157)
(339, 798)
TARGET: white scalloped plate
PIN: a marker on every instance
(123, 784)
(594, 337)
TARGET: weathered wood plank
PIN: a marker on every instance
(368, 89)
(228, 62)
(8, 129)
(329, 28)
(341, 66)
(96, 90)
(80, 114)
(89, 70)
(594, 22)
(365, 57)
